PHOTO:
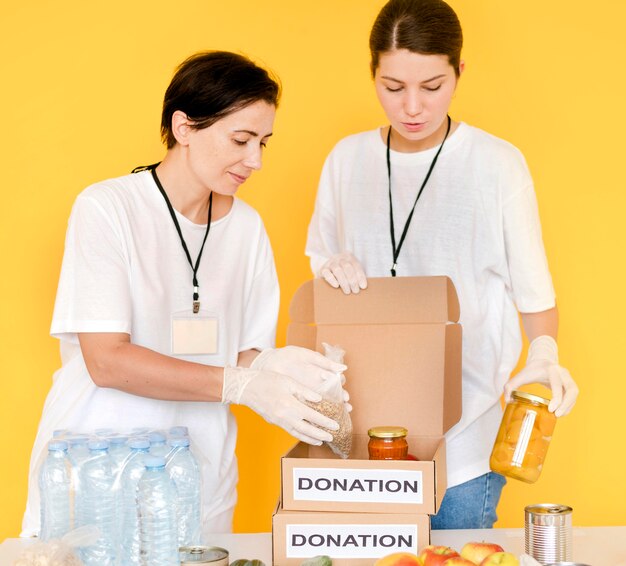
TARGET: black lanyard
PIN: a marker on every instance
(396, 251)
(194, 268)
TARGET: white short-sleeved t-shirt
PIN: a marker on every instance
(476, 222)
(124, 270)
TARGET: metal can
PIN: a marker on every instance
(567, 564)
(548, 532)
(214, 555)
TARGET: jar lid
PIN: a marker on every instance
(530, 397)
(388, 432)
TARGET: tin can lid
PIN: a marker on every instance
(530, 397)
(547, 509)
(387, 432)
(202, 554)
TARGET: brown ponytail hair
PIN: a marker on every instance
(429, 27)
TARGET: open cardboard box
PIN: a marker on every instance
(403, 351)
(350, 539)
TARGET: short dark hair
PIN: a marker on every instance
(210, 85)
(429, 27)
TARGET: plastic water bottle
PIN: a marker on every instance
(184, 470)
(131, 473)
(156, 497)
(97, 504)
(179, 431)
(139, 431)
(158, 444)
(54, 489)
(79, 449)
(60, 433)
(104, 432)
(118, 451)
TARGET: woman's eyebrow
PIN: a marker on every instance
(402, 82)
(252, 133)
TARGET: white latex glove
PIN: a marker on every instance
(542, 366)
(344, 270)
(278, 399)
(307, 367)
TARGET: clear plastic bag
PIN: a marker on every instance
(59, 552)
(333, 406)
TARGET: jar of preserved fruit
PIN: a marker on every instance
(387, 443)
(523, 438)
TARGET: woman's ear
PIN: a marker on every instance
(181, 127)
(461, 67)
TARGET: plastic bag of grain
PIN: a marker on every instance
(334, 406)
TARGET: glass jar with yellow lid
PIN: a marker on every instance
(387, 443)
(523, 438)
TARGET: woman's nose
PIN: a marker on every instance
(412, 104)
(254, 159)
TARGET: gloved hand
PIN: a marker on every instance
(344, 270)
(277, 398)
(307, 367)
(542, 366)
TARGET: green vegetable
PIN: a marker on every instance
(321, 560)
(246, 562)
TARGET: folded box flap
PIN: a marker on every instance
(387, 300)
(402, 352)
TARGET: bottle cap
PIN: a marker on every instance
(179, 431)
(98, 444)
(104, 432)
(387, 432)
(118, 440)
(156, 437)
(139, 443)
(152, 462)
(57, 445)
(179, 441)
(530, 397)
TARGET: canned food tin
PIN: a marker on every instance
(548, 532)
(214, 555)
(567, 564)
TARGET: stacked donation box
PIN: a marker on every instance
(403, 351)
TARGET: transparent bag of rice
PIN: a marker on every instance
(333, 405)
(59, 552)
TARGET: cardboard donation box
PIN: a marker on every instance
(403, 351)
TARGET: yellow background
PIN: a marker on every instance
(82, 85)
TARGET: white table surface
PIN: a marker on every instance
(597, 546)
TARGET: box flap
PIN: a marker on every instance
(402, 352)
(386, 300)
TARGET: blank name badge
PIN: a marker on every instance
(194, 333)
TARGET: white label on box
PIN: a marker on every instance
(366, 486)
(350, 541)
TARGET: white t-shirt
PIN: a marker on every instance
(124, 270)
(476, 222)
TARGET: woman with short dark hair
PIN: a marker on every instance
(168, 292)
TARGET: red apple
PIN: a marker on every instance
(398, 559)
(476, 552)
(432, 555)
(500, 559)
(458, 561)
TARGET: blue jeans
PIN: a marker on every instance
(470, 505)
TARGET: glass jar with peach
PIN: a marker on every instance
(523, 438)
